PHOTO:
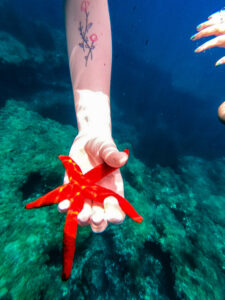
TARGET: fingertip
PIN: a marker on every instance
(63, 206)
(199, 49)
(83, 219)
(99, 228)
(115, 217)
(123, 158)
(113, 212)
(116, 159)
(219, 62)
(85, 214)
(199, 27)
(193, 37)
(97, 219)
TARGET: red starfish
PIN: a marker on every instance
(81, 186)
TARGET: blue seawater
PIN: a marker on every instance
(164, 100)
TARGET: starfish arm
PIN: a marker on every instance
(60, 193)
(72, 169)
(98, 193)
(128, 208)
(101, 171)
(69, 237)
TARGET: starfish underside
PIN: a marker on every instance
(81, 186)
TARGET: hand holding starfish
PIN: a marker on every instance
(80, 187)
(89, 152)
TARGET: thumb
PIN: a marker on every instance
(112, 156)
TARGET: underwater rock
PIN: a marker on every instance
(28, 68)
(11, 50)
(176, 253)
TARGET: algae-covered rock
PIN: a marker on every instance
(28, 68)
(177, 252)
(11, 50)
(30, 240)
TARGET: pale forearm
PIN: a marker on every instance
(93, 113)
(90, 56)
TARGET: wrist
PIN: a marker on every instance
(93, 113)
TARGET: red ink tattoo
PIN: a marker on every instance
(93, 37)
(84, 5)
(87, 42)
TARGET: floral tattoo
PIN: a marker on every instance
(88, 42)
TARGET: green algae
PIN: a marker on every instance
(178, 252)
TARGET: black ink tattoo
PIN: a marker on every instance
(87, 43)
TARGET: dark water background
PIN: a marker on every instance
(164, 100)
(170, 93)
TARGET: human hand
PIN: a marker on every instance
(215, 25)
(88, 152)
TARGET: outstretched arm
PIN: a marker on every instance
(90, 57)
